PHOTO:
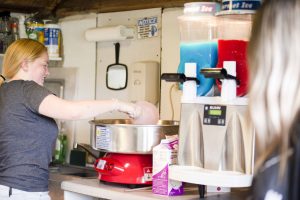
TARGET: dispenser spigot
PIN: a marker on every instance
(218, 73)
(178, 77)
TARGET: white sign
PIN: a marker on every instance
(147, 27)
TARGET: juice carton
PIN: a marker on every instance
(164, 155)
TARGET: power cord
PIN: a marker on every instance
(171, 99)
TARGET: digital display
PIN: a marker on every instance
(215, 112)
(214, 115)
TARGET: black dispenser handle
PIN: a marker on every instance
(178, 77)
(218, 73)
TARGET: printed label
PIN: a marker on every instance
(101, 164)
(240, 5)
(147, 27)
(103, 138)
(148, 173)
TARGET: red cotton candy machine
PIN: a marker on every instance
(128, 147)
(129, 169)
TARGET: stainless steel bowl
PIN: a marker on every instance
(121, 136)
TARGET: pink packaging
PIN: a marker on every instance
(164, 155)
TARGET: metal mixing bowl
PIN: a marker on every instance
(121, 136)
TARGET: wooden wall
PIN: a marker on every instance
(62, 8)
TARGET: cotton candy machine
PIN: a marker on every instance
(128, 147)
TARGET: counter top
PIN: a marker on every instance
(95, 188)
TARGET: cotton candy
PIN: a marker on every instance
(149, 114)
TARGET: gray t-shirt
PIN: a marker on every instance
(26, 137)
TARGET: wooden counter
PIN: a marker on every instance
(92, 189)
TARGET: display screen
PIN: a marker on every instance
(215, 112)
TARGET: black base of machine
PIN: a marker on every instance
(130, 186)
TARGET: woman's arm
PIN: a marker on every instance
(58, 108)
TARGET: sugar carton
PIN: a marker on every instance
(164, 155)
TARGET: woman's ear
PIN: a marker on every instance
(24, 65)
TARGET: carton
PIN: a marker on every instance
(164, 155)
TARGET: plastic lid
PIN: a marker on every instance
(201, 8)
(233, 7)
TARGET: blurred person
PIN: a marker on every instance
(274, 99)
(27, 128)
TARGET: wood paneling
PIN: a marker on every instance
(29, 6)
(62, 8)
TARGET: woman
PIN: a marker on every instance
(274, 61)
(27, 128)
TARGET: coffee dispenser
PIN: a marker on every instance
(216, 140)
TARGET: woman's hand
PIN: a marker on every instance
(133, 110)
(149, 114)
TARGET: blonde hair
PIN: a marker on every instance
(17, 52)
(274, 60)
